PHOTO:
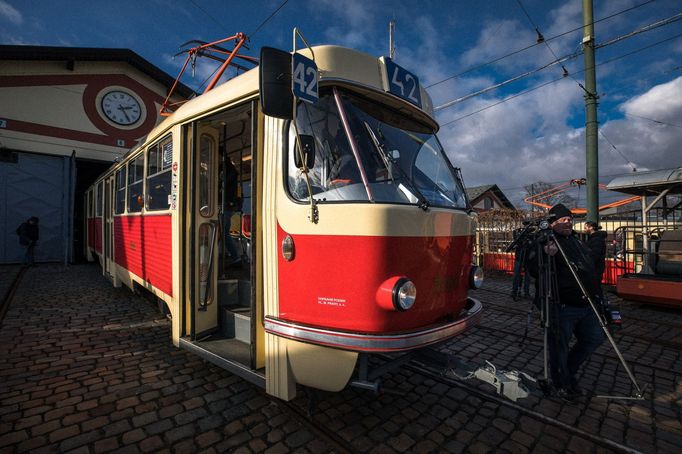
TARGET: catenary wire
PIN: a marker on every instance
(474, 68)
(557, 80)
(558, 61)
(268, 18)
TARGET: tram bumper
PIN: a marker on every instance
(377, 343)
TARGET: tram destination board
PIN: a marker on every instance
(401, 82)
(305, 78)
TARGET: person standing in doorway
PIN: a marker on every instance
(28, 237)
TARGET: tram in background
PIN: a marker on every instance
(654, 246)
(291, 239)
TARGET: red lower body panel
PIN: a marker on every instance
(143, 246)
(333, 280)
(95, 234)
(640, 287)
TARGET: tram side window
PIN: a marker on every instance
(159, 161)
(120, 191)
(135, 181)
(206, 166)
(99, 209)
(89, 213)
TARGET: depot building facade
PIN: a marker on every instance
(66, 114)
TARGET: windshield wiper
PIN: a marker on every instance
(390, 164)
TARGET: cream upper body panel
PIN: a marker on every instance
(334, 64)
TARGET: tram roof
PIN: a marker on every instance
(648, 183)
(335, 63)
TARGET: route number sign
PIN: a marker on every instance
(304, 82)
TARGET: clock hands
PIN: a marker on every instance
(123, 109)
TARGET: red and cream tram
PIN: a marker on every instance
(286, 238)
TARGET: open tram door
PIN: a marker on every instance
(222, 322)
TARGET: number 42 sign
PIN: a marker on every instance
(401, 82)
(305, 78)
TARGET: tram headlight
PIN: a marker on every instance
(288, 250)
(476, 277)
(404, 294)
(396, 294)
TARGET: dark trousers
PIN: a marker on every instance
(565, 360)
(29, 257)
(516, 283)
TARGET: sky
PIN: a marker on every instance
(527, 130)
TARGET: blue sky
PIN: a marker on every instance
(537, 134)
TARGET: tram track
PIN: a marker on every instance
(668, 344)
(599, 440)
(334, 442)
(9, 293)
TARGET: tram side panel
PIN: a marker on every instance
(143, 247)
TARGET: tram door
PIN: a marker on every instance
(206, 232)
(108, 245)
(224, 320)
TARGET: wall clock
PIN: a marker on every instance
(121, 108)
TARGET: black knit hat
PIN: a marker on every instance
(559, 211)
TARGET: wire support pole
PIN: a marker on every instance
(591, 124)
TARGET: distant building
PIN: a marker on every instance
(488, 197)
(65, 115)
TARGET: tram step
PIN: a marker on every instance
(234, 292)
(236, 324)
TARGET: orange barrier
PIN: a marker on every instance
(504, 261)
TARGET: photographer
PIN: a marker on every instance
(570, 313)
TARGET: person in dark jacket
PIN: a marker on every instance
(572, 314)
(28, 237)
(596, 243)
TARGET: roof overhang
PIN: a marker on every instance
(648, 183)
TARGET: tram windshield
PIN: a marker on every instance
(365, 151)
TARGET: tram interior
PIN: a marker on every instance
(233, 338)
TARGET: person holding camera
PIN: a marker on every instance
(571, 314)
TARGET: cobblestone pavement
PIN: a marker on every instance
(90, 368)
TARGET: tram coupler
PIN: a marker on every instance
(511, 384)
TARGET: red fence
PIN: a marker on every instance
(504, 261)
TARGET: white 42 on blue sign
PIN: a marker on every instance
(304, 80)
(402, 83)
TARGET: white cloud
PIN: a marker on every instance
(10, 13)
(527, 139)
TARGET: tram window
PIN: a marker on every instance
(89, 204)
(100, 191)
(159, 161)
(120, 206)
(206, 166)
(135, 180)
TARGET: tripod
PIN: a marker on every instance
(548, 293)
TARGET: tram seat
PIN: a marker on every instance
(670, 253)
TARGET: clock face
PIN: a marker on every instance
(121, 108)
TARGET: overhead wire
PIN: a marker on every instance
(628, 161)
(557, 61)
(267, 19)
(502, 57)
(458, 100)
(654, 121)
(222, 26)
(565, 74)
